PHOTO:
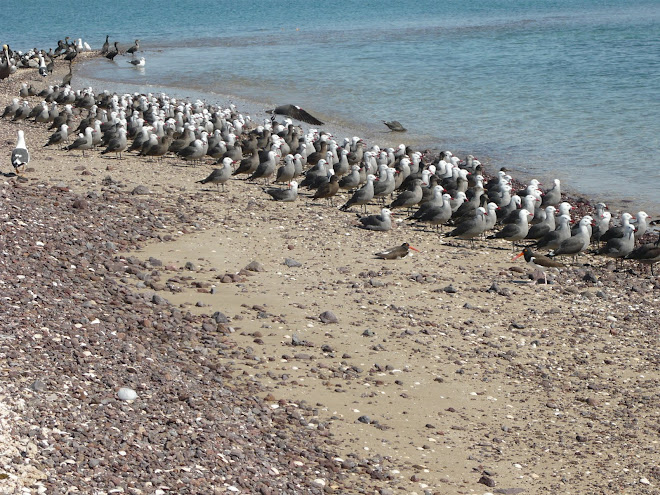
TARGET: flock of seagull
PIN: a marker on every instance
(441, 191)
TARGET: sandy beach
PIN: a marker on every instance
(272, 352)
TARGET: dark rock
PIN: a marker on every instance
(292, 263)
(38, 385)
(328, 317)
(220, 317)
(255, 266)
(140, 190)
(485, 480)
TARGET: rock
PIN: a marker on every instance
(328, 317)
(190, 266)
(141, 190)
(255, 266)
(485, 480)
(38, 385)
(80, 204)
(220, 317)
(126, 393)
(292, 263)
(364, 419)
(159, 300)
(450, 289)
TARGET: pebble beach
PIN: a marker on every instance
(160, 336)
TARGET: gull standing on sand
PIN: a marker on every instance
(59, 137)
(647, 254)
(363, 195)
(117, 144)
(472, 227)
(220, 175)
(515, 231)
(620, 247)
(84, 142)
(20, 156)
(574, 245)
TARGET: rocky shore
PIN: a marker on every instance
(161, 337)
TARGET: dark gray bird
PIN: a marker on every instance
(647, 254)
(295, 112)
(113, 52)
(395, 126)
(134, 48)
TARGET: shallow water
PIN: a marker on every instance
(562, 89)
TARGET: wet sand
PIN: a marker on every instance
(450, 370)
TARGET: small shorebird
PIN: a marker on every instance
(539, 262)
(396, 253)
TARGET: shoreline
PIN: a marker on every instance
(460, 365)
(372, 133)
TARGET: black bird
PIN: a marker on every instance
(134, 48)
(295, 112)
(106, 45)
(112, 53)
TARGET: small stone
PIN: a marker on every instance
(644, 481)
(190, 266)
(590, 277)
(93, 463)
(126, 393)
(367, 333)
(255, 266)
(364, 419)
(38, 385)
(450, 289)
(80, 204)
(291, 263)
(220, 317)
(328, 317)
(141, 190)
(485, 480)
(156, 299)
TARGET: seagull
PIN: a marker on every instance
(20, 157)
(137, 62)
(58, 137)
(295, 112)
(286, 195)
(381, 222)
(220, 175)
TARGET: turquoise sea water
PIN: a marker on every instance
(567, 89)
